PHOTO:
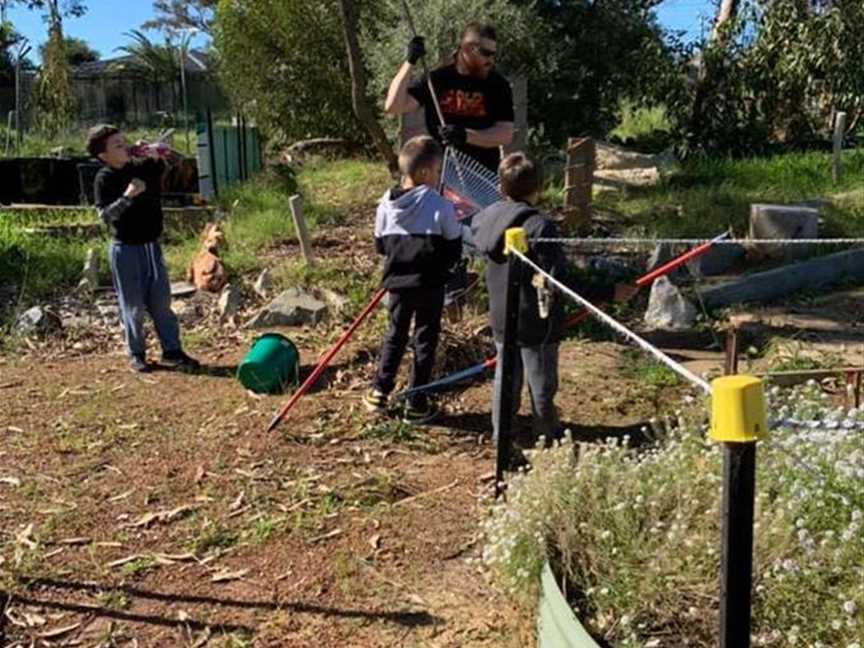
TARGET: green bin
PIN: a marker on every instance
(272, 363)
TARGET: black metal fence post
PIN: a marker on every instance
(738, 420)
(514, 239)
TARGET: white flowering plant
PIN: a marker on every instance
(634, 534)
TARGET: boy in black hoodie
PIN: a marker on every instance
(128, 199)
(521, 181)
(416, 230)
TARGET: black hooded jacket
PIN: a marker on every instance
(488, 228)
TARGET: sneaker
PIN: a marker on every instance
(180, 360)
(138, 364)
(375, 401)
(420, 413)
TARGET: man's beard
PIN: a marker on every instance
(476, 70)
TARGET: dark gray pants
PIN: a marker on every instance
(539, 366)
(423, 307)
(141, 281)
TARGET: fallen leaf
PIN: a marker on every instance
(226, 575)
(375, 541)
(123, 561)
(237, 503)
(416, 600)
(50, 634)
(183, 557)
(25, 537)
(326, 536)
(199, 474)
(121, 496)
(74, 541)
(12, 481)
(34, 620)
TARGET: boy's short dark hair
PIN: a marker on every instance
(478, 30)
(97, 138)
(419, 152)
(520, 176)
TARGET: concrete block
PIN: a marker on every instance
(784, 222)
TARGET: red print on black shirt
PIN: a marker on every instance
(464, 104)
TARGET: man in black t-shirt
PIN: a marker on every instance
(476, 101)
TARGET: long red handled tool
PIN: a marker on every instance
(678, 261)
(324, 361)
(571, 321)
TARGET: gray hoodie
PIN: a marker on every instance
(416, 230)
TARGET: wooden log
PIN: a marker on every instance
(578, 182)
(786, 280)
(295, 202)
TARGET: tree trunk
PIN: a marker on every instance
(358, 86)
(727, 12)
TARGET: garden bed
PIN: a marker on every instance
(637, 531)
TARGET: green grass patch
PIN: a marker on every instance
(637, 365)
(710, 195)
(36, 144)
(213, 535)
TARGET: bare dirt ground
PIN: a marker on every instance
(155, 511)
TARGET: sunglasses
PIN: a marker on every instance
(487, 53)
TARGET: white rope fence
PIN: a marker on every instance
(649, 242)
(682, 371)
(816, 425)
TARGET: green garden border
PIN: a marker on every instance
(557, 624)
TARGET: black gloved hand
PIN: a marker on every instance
(453, 135)
(415, 50)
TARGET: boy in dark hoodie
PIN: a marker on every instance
(128, 199)
(521, 181)
(417, 232)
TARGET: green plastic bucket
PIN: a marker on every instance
(272, 363)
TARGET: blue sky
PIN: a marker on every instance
(102, 26)
(106, 20)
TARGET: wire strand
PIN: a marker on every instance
(683, 241)
(620, 328)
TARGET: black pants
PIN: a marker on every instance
(423, 306)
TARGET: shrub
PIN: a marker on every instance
(637, 532)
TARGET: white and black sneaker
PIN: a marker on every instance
(138, 364)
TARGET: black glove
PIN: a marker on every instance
(453, 135)
(415, 50)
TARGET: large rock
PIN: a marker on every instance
(667, 307)
(229, 303)
(784, 222)
(90, 274)
(338, 304)
(614, 158)
(294, 307)
(38, 321)
(263, 284)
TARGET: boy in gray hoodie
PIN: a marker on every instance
(417, 232)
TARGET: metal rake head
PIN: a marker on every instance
(467, 181)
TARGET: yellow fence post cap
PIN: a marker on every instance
(514, 238)
(738, 409)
